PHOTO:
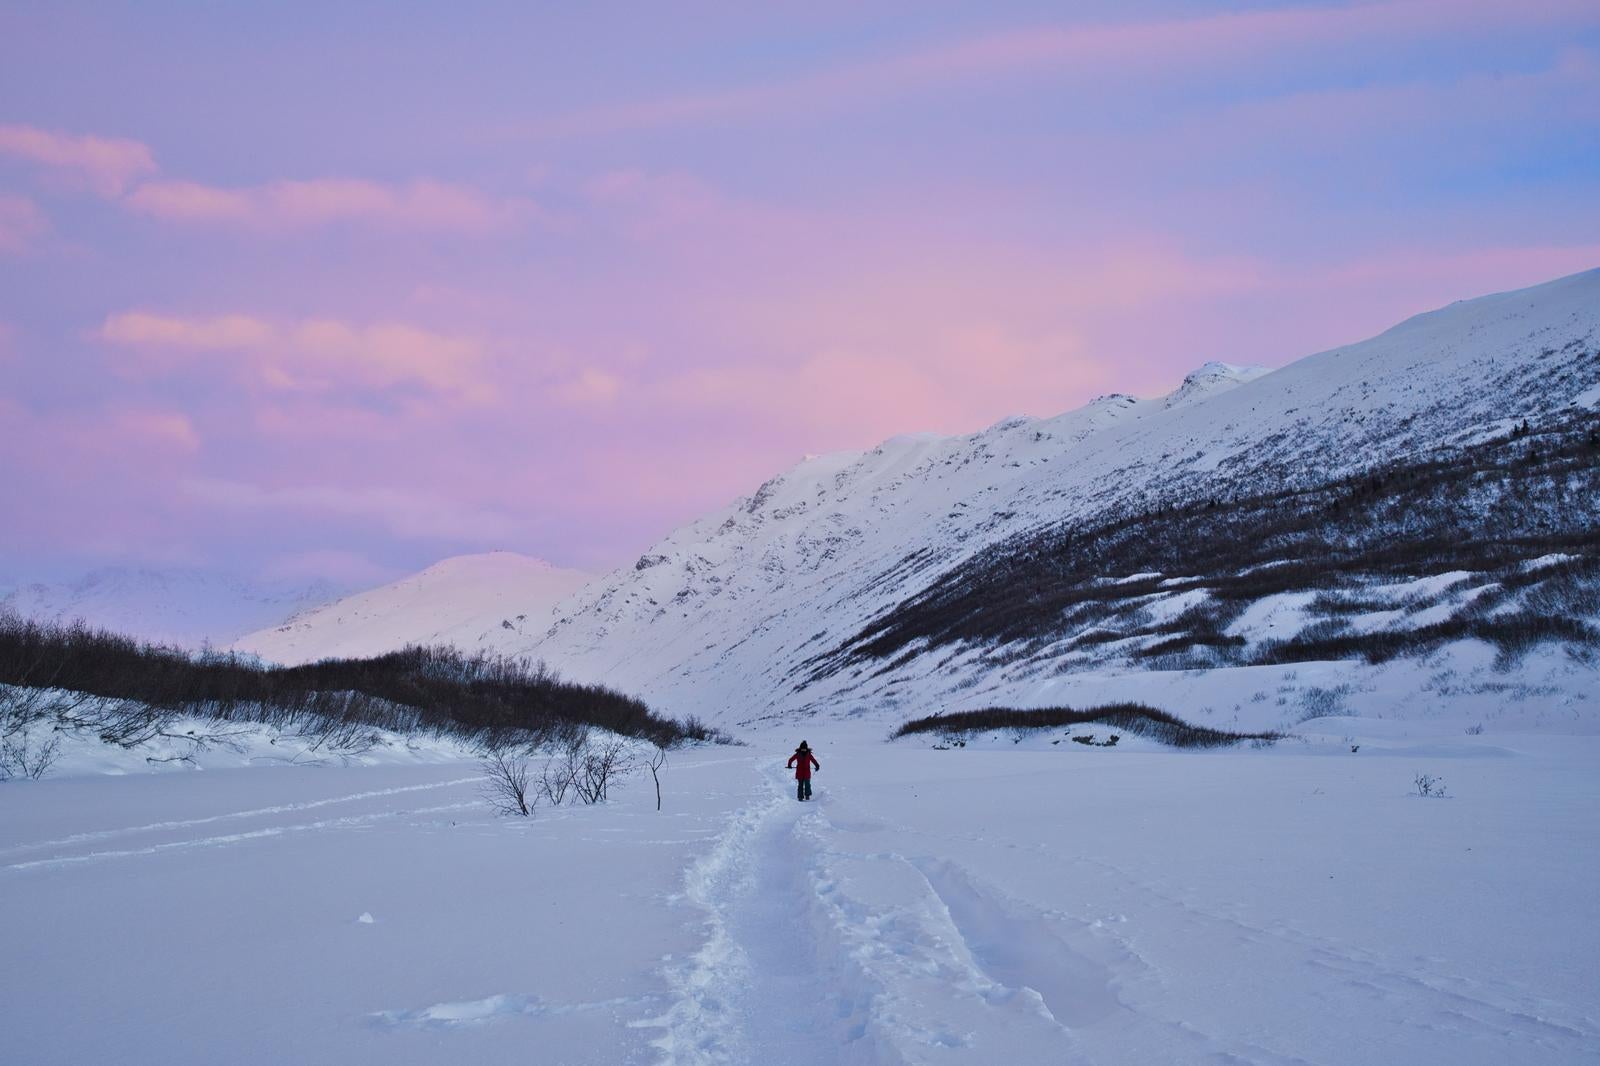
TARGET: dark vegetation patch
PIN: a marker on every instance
(440, 691)
(1511, 634)
(1486, 509)
(1135, 718)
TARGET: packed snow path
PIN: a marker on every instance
(879, 972)
(1054, 905)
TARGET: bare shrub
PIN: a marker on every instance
(129, 692)
(1135, 718)
(1318, 702)
(693, 729)
(559, 775)
(602, 765)
(22, 756)
(505, 783)
(583, 769)
(1429, 786)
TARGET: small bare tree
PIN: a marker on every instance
(506, 783)
(658, 759)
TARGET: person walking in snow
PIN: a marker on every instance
(803, 761)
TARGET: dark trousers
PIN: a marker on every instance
(802, 788)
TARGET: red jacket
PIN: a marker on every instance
(807, 761)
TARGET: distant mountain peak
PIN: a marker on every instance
(490, 601)
(1212, 377)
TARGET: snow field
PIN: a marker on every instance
(998, 903)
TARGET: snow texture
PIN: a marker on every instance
(1012, 901)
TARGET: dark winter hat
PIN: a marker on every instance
(802, 747)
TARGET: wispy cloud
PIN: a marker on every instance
(123, 169)
(1160, 47)
(313, 354)
(171, 428)
(217, 333)
(106, 164)
(299, 205)
(21, 223)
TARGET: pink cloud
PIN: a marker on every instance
(298, 205)
(910, 337)
(220, 333)
(1161, 47)
(168, 428)
(72, 446)
(310, 355)
(21, 223)
(391, 353)
(106, 164)
(590, 387)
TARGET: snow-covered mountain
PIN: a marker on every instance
(187, 607)
(787, 601)
(1391, 525)
(492, 602)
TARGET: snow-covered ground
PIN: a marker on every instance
(1024, 902)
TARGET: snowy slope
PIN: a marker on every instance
(725, 617)
(475, 602)
(178, 606)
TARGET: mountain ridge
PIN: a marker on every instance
(771, 605)
(715, 619)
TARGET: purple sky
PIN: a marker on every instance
(305, 292)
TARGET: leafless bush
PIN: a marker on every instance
(326, 737)
(1134, 718)
(1321, 702)
(558, 777)
(21, 708)
(22, 756)
(1429, 786)
(436, 690)
(584, 770)
(601, 766)
(506, 783)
